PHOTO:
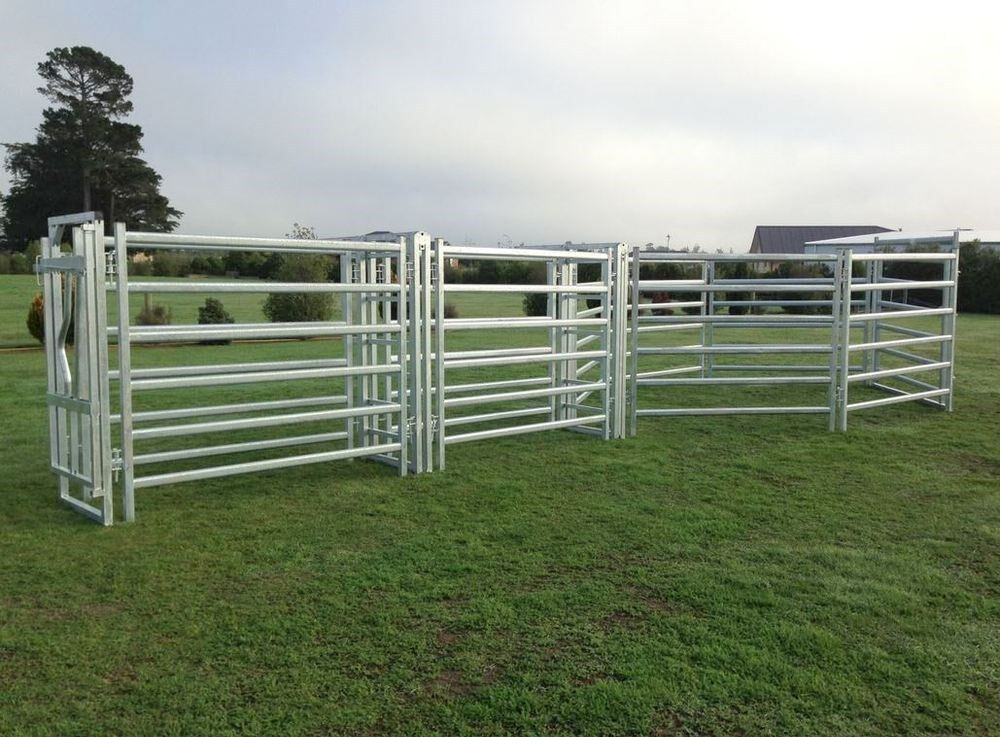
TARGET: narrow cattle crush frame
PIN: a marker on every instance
(399, 381)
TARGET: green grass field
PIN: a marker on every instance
(713, 576)
(17, 291)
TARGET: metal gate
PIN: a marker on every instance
(576, 369)
(821, 324)
(78, 395)
(399, 381)
(364, 408)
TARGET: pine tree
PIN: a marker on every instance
(85, 157)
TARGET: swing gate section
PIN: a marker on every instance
(624, 332)
(568, 380)
(363, 408)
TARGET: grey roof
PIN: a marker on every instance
(792, 238)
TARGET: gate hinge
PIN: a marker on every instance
(435, 424)
(110, 265)
(434, 274)
(409, 272)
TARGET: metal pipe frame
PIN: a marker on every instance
(402, 399)
(583, 339)
(844, 302)
(378, 363)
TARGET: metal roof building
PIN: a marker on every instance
(792, 238)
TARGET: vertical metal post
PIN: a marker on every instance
(846, 277)
(404, 365)
(426, 419)
(607, 338)
(636, 274)
(347, 308)
(949, 322)
(833, 392)
(552, 273)
(100, 409)
(125, 374)
(439, 348)
(876, 333)
(708, 331)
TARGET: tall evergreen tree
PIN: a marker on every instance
(85, 157)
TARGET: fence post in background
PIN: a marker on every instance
(845, 274)
(949, 322)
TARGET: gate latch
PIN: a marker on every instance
(117, 463)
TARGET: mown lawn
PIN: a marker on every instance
(17, 291)
(713, 576)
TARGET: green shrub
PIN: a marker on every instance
(170, 263)
(36, 321)
(154, 315)
(19, 264)
(214, 313)
(536, 304)
(979, 279)
(291, 307)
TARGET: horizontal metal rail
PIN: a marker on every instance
(667, 372)
(737, 349)
(201, 474)
(523, 429)
(897, 314)
(182, 242)
(681, 257)
(699, 286)
(737, 380)
(908, 256)
(501, 384)
(274, 287)
(521, 360)
(902, 370)
(705, 411)
(520, 254)
(486, 353)
(517, 396)
(230, 368)
(247, 331)
(261, 377)
(924, 340)
(526, 288)
(897, 285)
(503, 323)
(897, 398)
(232, 409)
(496, 416)
(171, 431)
(756, 320)
(232, 448)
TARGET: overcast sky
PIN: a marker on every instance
(545, 121)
